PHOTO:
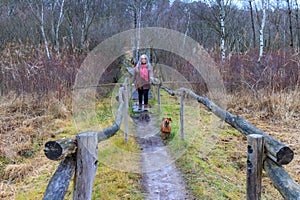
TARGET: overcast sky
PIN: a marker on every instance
(245, 3)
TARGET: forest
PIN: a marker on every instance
(255, 45)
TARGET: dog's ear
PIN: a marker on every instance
(170, 119)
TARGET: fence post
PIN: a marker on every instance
(254, 166)
(87, 159)
(158, 98)
(182, 114)
(126, 96)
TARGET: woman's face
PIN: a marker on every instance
(144, 60)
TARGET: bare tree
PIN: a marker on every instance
(221, 5)
(88, 15)
(38, 10)
(252, 23)
(298, 23)
(291, 23)
(261, 31)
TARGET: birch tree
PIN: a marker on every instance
(136, 8)
(261, 31)
(57, 16)
(38, 10)
(88, 15)
(221, 5)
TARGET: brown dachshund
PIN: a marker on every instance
(165, 128)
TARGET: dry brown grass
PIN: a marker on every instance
(25, 123)
(278, 114)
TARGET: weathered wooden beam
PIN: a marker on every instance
(58, 149)
(278, 152)
(282, 181)
(171, 92)
(182, 115)
(126, 107)
(254, 166)
(86, 165)
(60, 181)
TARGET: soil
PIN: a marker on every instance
(160, 177)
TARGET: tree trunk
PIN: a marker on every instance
(222, 27)
(59, 21)
(71, 30)
(83, 24)
(252, 24)
(261, 31)
(42, 26)
(291, 24)
(138, 36)
(298, 23)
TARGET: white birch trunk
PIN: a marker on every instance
(42, 26)
(138, 32)
(59, 21)
(84, 24)
(222, 26)
(261, 31)
(38, 12)
(187, 28)
(70, 22)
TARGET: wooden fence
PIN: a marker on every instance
(264, 152)
(80, 155)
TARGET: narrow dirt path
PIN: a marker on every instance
(161, 179)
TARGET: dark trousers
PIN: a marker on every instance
(143, 92)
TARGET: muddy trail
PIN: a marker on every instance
(160, 177)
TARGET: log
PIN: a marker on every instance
(60, 181)
(278, 152)
(58, 149)
(86, 165)
(171, 92)
(282, 181)
(254, 166)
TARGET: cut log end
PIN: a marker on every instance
(53, 150)
(284, 156)
(56, 150)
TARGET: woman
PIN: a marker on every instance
(143, 73)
